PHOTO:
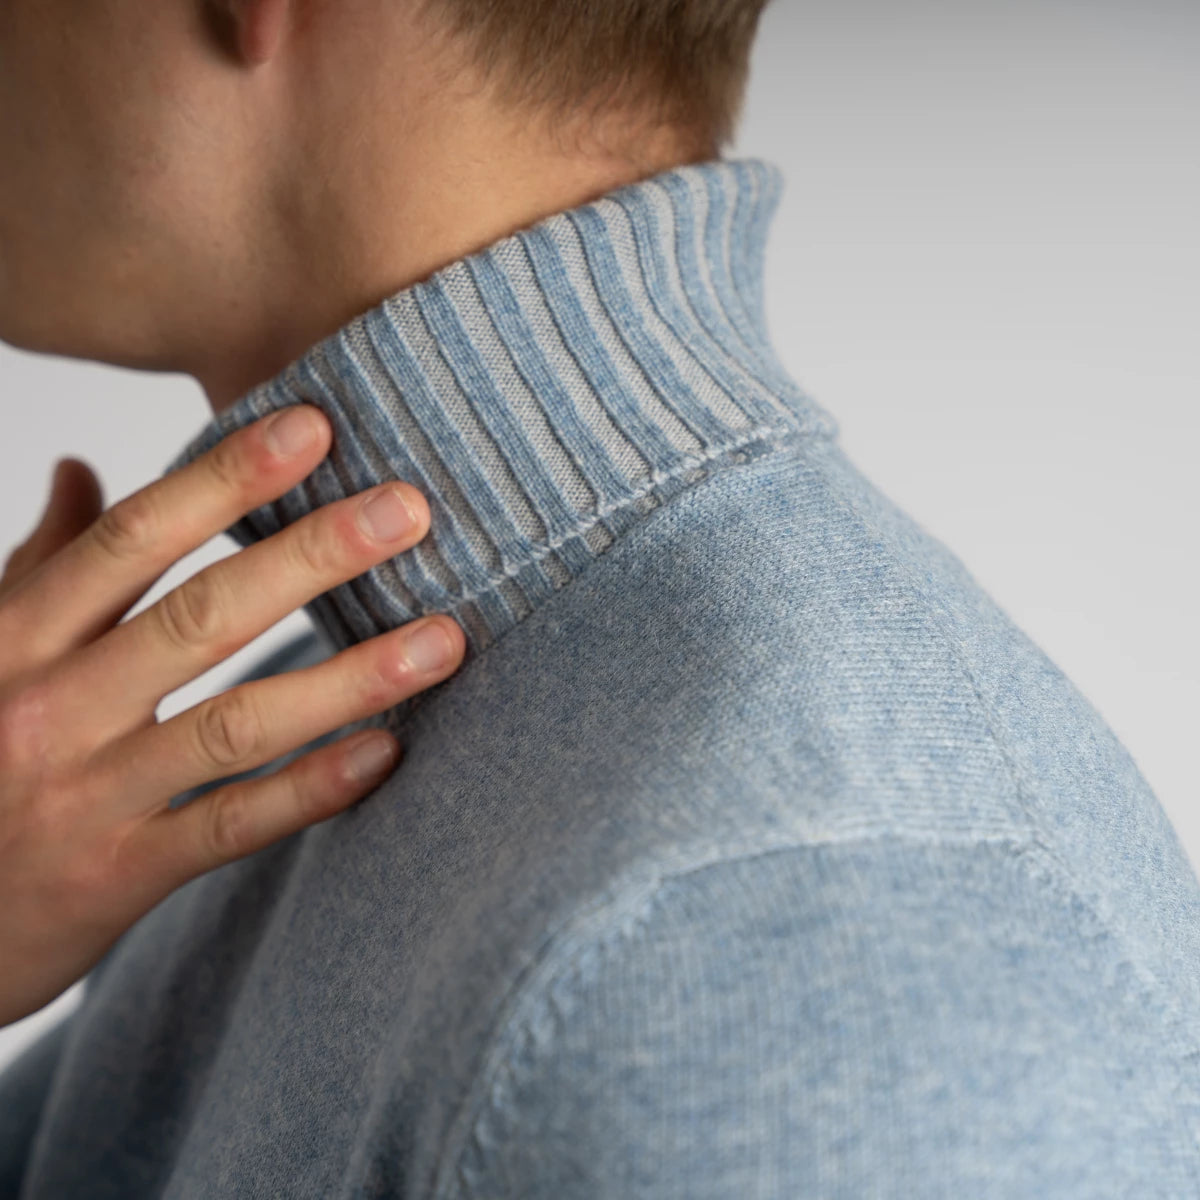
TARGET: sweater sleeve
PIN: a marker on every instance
(872, 1017)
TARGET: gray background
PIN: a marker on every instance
(986, 265)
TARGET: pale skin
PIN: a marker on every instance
(210, 187)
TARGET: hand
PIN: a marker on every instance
(88, 840)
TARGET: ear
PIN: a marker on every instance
(253, 29)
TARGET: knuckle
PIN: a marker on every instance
(307, 794)
(192, 614)
(26, 725)
(228, 828)
(309, 548)
(129, 529)
(224, 462)
(228, 731)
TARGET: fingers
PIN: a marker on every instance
(97, 577)
(173, 846)
(75, 501)
(228, 604)
(255, 723)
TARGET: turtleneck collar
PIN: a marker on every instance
(544, 394)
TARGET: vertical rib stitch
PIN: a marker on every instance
(544, 394)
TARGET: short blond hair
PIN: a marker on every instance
(679, 64)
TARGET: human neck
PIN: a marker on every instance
(335, 256)
(544, 394)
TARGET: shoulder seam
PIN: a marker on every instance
(1105, 917)
(586, 931)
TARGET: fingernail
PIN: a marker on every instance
(385, 516)
(369, 760)
(428, 648)
(291, 432)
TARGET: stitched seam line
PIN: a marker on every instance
(788, 436)
(634, 906)
(1024, 792)
(788, 439)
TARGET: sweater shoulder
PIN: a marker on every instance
(870, 1016)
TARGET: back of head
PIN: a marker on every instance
(676, 64)
(211, 186)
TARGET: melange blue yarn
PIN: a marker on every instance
(752, 852)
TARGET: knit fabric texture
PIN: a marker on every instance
(752, 852)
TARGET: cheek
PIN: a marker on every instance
(81, 168)
(81, 108)
(43, 121)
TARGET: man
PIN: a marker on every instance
(742, 847)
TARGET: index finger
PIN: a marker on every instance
(87, 587)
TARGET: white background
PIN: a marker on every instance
(986, 265)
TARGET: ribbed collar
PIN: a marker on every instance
(544, 394)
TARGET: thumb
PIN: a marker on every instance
(75, 501)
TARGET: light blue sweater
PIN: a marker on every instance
(753, 852)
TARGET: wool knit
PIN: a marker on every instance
(753, 851)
